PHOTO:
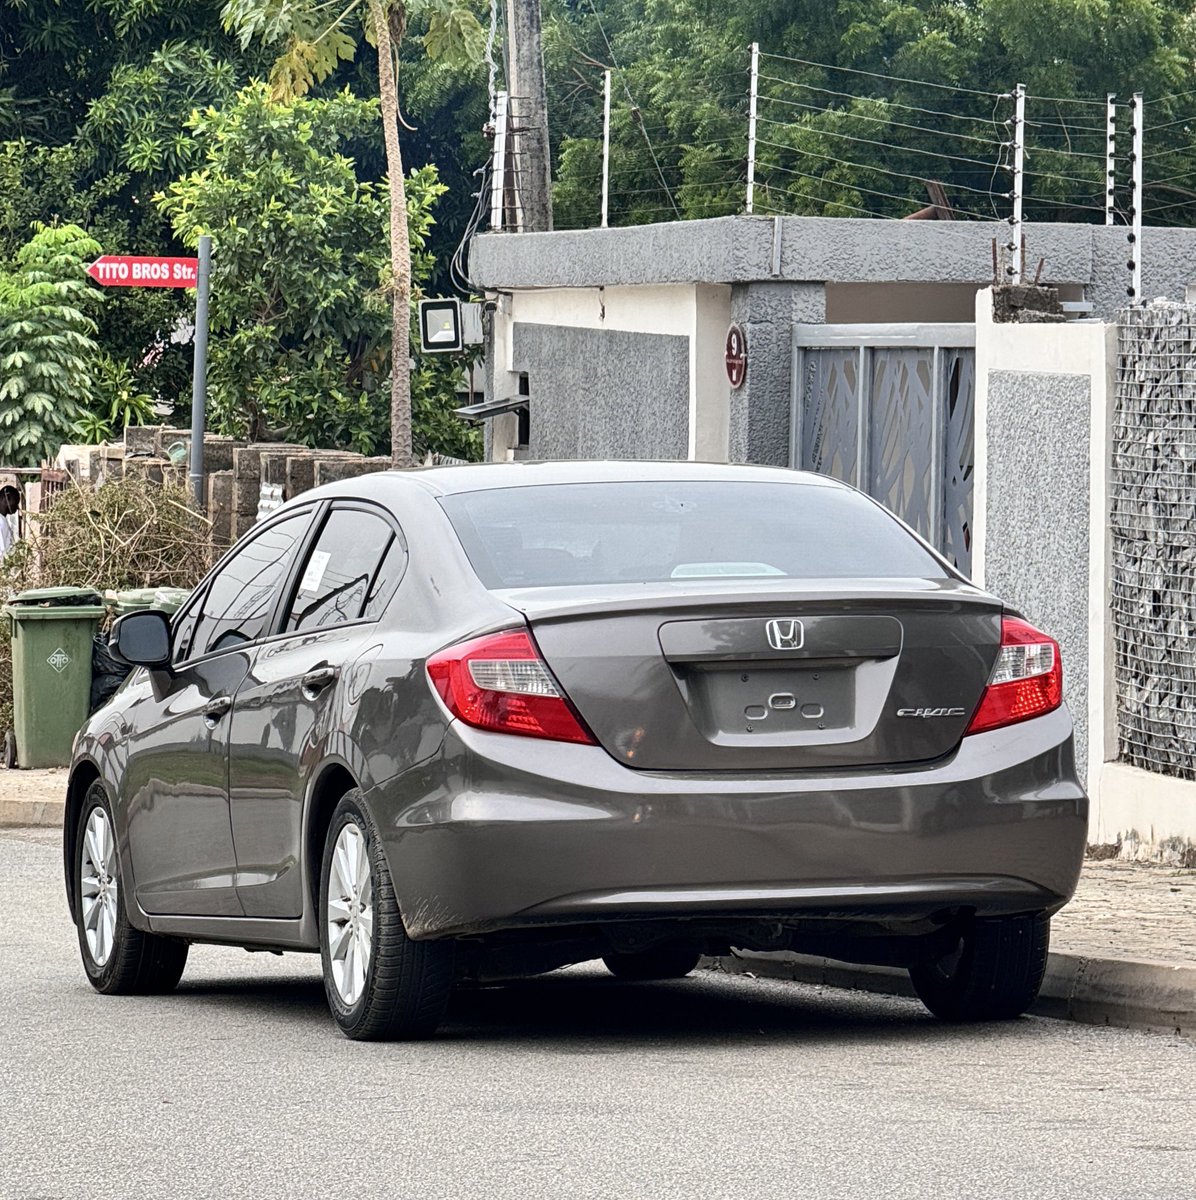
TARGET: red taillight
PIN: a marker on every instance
(500, 682)
(1027, 679)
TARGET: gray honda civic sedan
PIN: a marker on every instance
(479, 722)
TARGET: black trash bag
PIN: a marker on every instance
(107, 674)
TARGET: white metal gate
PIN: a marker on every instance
(890, 409)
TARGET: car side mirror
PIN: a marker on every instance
(141, 639)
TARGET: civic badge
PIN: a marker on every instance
(785, 635)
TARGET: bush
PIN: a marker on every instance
(128, 533)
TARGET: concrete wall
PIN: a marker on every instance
(729, 250)
(604, 393)
(1043, 404)
(614, 371)
(1037, 530)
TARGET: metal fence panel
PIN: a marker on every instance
(893, 406)
(1153, 526)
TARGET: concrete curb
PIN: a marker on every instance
(47, 814)
(1093, 991)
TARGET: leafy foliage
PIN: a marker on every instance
(47, 345)
(114, 404)
(310, 47)
(300, 319)
(841, 143)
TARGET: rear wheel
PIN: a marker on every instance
(993, 974)
(117, 957)
(661, 962)
(379, 983)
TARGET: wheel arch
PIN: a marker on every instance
(333, 781)
(83, 775)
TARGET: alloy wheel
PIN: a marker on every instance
(350, 914)
(99, 889)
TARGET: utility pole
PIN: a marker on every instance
(529, 105)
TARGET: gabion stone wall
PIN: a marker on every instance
(1154, 538)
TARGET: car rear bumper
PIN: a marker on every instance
(503, 832)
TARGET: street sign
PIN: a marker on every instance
(126, 270)
(736, 357)
(134, 270)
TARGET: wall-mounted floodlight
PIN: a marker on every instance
(440, 329)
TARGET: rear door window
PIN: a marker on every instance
(242, 596)
(338, 577)
(688, 530)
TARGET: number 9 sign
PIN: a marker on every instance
(736, 357)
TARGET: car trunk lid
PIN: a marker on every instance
(778, 675)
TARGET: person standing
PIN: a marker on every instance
(10, 504)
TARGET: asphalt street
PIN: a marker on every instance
(572, 1085)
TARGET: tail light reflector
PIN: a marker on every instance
(1026, 681)
(500, 682)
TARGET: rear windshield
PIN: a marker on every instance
(556, 534)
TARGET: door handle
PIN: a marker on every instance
(215, 709)
(317, 679)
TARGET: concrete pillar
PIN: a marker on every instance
(760, 409)
(330, 470)
(220, 508)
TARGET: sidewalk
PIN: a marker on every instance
(32, 797)
(1123, 952)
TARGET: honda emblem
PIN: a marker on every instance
(785, 635)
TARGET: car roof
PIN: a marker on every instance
(476, 477)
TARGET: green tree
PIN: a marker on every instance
(300, 319)
(859, 134)
(311, 47)
(47, 346)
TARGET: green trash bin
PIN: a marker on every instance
(133, 600)
(52, 629)
(169, 600)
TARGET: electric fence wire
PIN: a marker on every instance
(819, 131)
(931, 112)
(1051, 143)
(947, 87)
(634, 106)
(859, 116)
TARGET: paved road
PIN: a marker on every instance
(568, 1086)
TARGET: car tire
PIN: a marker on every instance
(661, 962)
(380, 984)
(119, 958)
(994, 973)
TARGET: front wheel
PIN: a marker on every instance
(380, 984)
(118, 957)
(661, 962)
(993, 973)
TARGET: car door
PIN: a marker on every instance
(295, 708)
(176, 782)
